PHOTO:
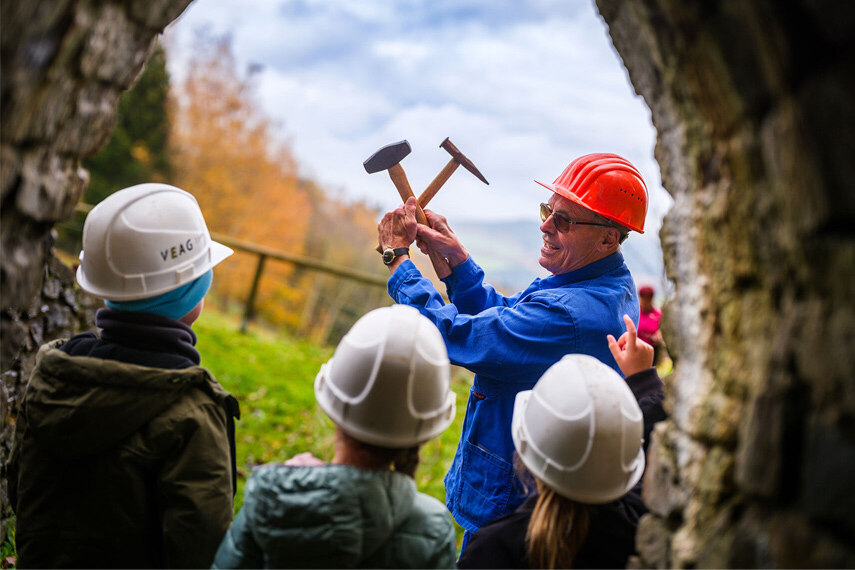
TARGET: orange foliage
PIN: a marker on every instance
(348, 239)
(245, 181)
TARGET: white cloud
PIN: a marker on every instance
(521, 87)
(407, 57)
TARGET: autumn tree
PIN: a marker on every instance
(247, 185)
(348, 239)
(244, 179)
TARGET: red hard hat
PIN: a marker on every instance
(645, 290)
(606, 184)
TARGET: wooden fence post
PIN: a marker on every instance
(250, 302)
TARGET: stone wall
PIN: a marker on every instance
(65, 64)
(754, 107)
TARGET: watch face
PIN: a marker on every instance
(388, 256)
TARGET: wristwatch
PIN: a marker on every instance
(390, 254)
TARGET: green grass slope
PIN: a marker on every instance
(272, 376)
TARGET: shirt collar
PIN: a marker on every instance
(595, 269)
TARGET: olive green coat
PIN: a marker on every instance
(119, 465)
(337, 516)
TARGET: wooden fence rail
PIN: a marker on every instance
(264, 252)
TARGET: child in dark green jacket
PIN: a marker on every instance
(124, 447)
(387, 390)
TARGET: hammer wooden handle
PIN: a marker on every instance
(399, 178)
(437, 182)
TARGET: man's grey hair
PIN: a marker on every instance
(624, 232)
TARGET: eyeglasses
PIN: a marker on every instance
(562, 222)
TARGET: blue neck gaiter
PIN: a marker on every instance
(173, 304)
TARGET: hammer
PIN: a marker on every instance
(457, 159)
(388, 158)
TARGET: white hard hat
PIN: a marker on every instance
(387, 383)
(580, 431)
(143, 241)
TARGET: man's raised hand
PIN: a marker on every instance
(398, 227)
(440, 238)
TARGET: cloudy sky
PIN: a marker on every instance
(520, 86)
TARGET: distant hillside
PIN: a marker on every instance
(508, 252)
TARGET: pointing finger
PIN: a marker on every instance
(630, 329)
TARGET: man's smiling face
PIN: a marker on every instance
(580, 246)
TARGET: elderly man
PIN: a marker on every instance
(509, 342)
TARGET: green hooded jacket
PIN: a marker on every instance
(337, 516)
(119, 465)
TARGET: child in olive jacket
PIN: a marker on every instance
(124, 447)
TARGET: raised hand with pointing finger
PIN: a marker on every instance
(631, 353)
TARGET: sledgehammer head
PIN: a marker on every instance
(387, 157)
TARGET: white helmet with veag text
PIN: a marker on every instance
(387, 383)
(144, 241)
(580, 431)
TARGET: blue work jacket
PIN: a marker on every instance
(509, 342)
